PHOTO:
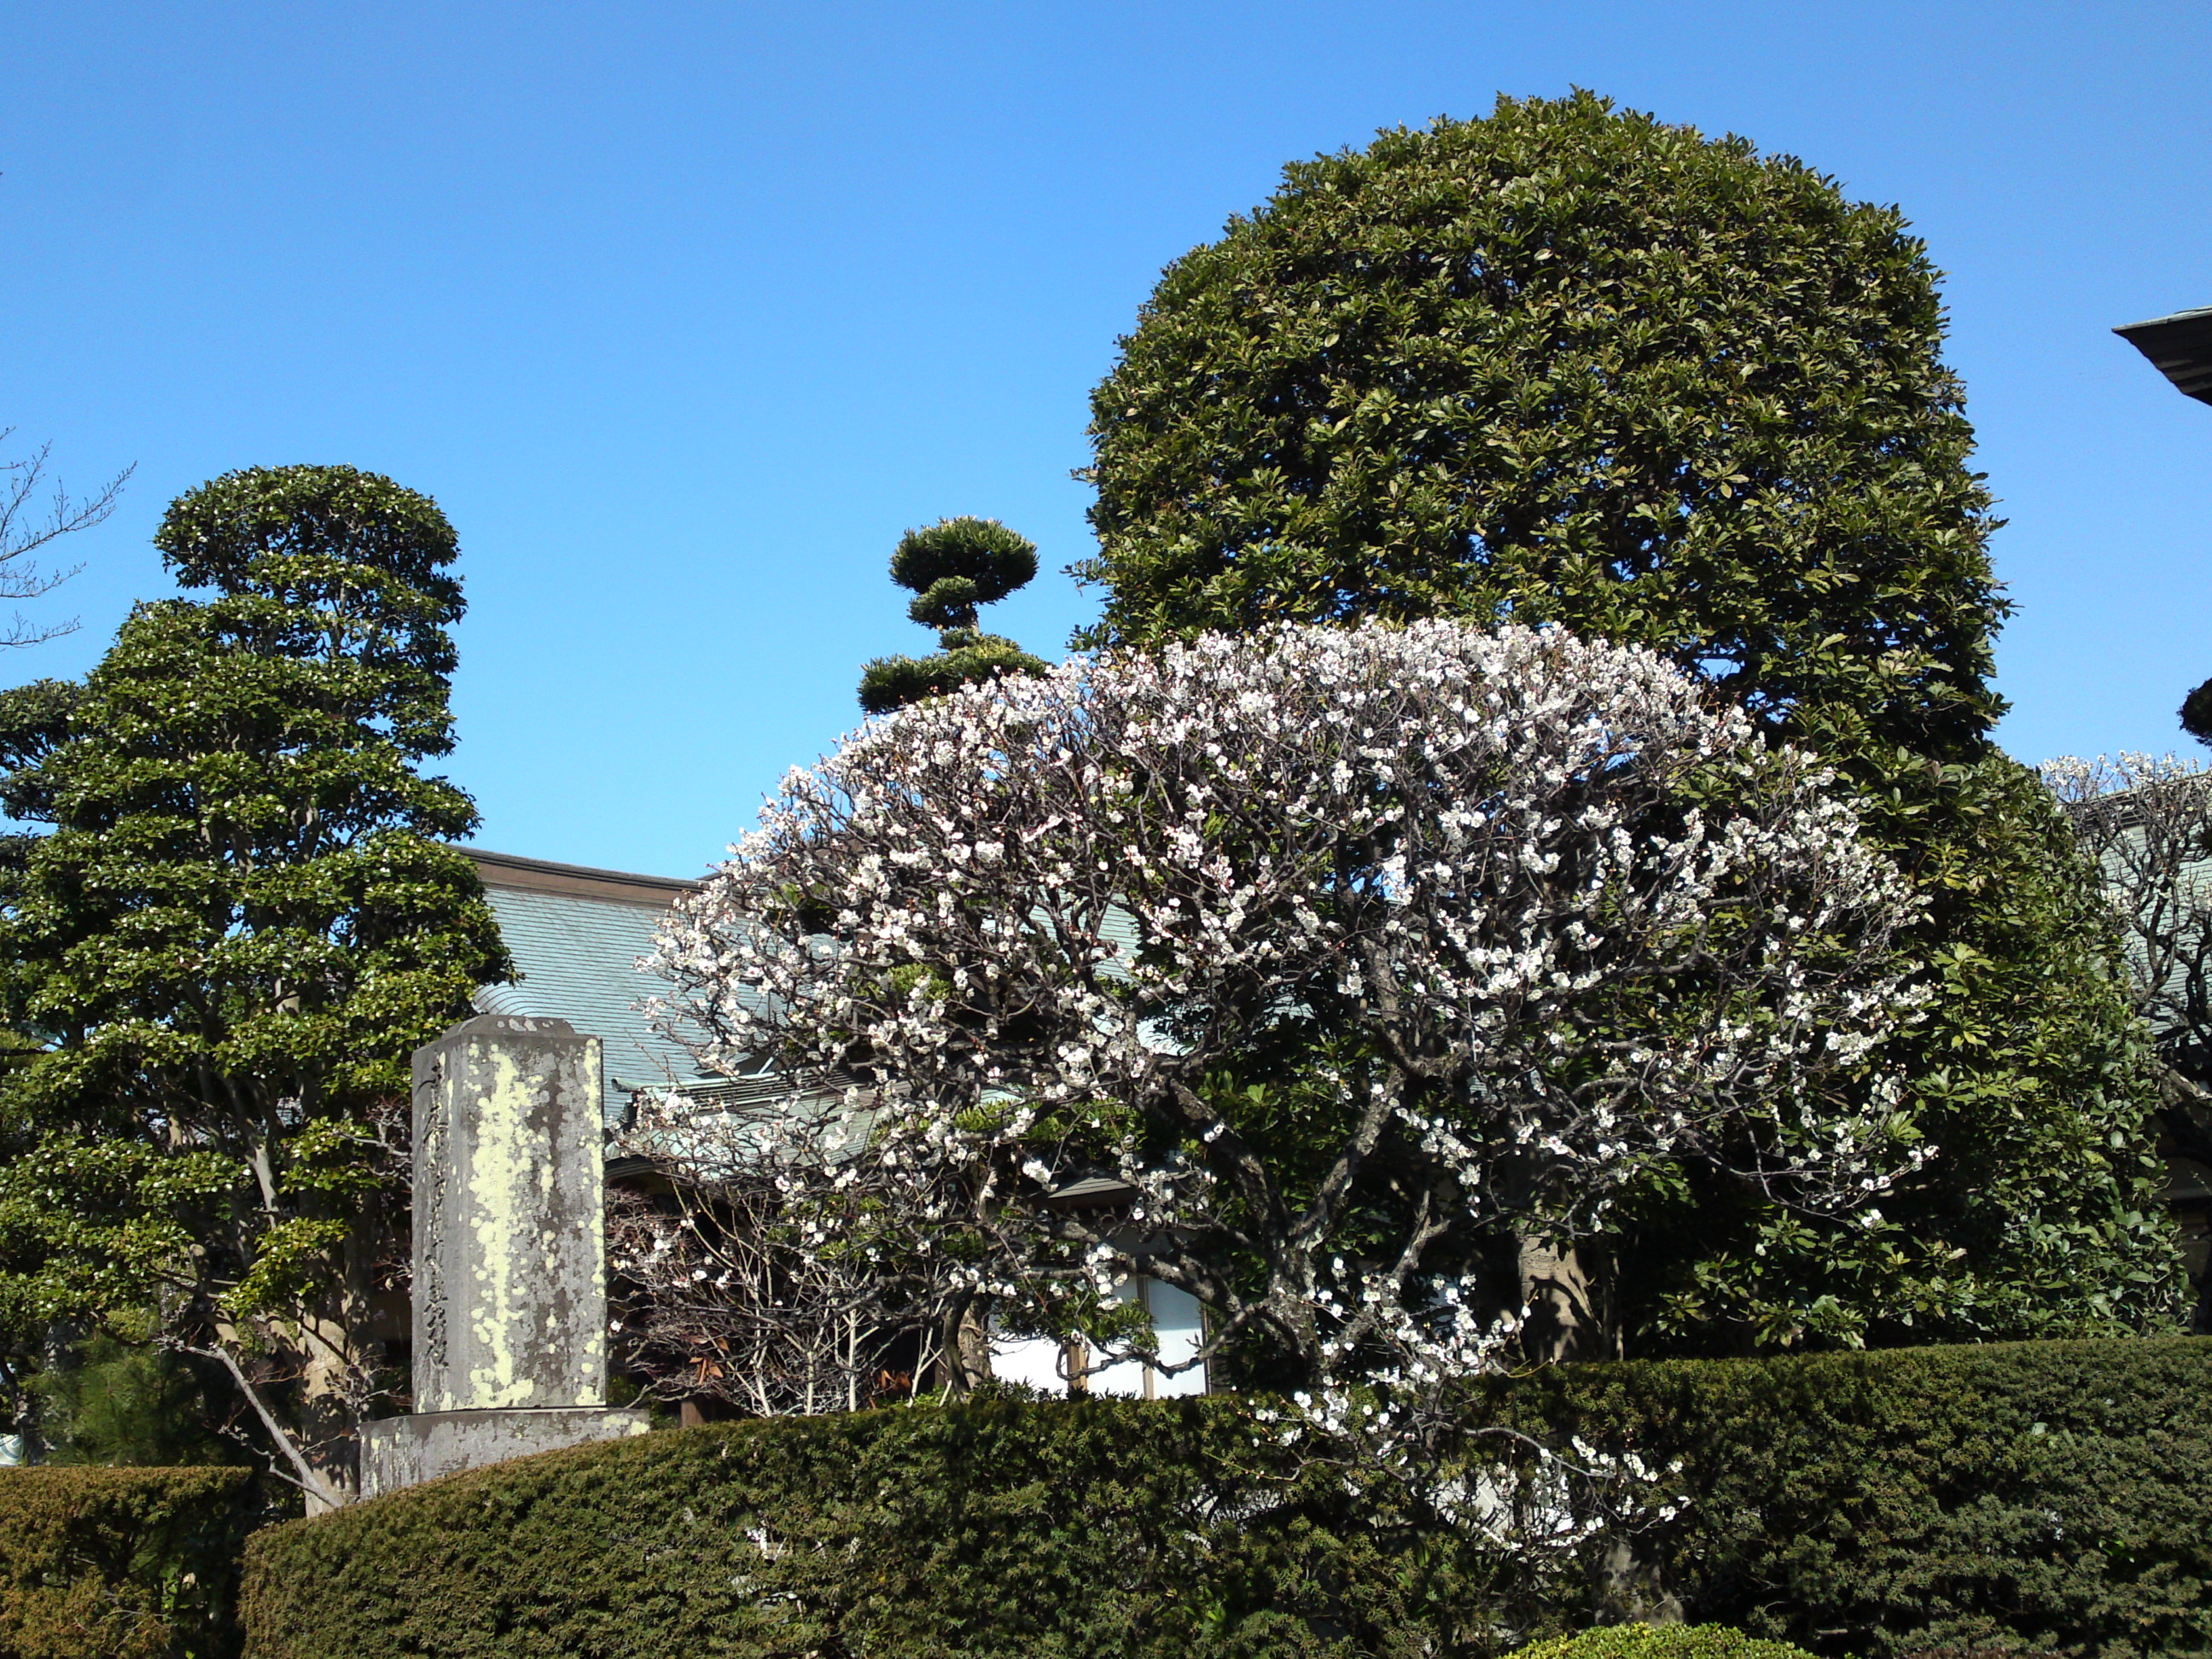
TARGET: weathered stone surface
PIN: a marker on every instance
(402, 1451)
(510, 1276)
(510, 1286)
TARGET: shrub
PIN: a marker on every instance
(121, 1564)
(2046, 1496)
(998, 1527)
(2039, 1495)
(1661, 1642)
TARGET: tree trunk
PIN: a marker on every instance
(964, 1360)
(320, 1493)
(330, 1411)
(1563, 1294)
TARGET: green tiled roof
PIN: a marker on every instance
(576, 935)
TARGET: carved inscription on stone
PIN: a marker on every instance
(432, 1181)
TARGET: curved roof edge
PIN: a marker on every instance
(2179, 347)
(580, 880)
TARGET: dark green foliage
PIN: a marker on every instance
(995, 1527)
(1572, 365)
(952, 567)
(121, 1406)
(1660, 1641)
(2040, 1216)
(992, 559)
(948, 601)
(1568, 364)
(2041, 1496)
(2045, 1496)
(121, 1564)
(2197, 713)
(246, 911)
(311, 533)
(2033, 1080)
(890, 683)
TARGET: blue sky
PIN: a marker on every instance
(684, 312)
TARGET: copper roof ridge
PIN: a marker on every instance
(513, 871)
(2190, 315)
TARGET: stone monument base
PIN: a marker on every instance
(404, 1451)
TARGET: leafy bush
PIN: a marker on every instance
(121, 1564)
(1661, 1642)
(2044, 1496)
(2049, 1496)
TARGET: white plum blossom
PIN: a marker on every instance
(1315, 971)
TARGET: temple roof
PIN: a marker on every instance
(2179, 346)
(576, 935)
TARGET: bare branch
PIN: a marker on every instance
(304, 1473)
(23, 532)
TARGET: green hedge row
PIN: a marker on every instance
(122, 1564)
(1660, 1641)
(2055, 1497)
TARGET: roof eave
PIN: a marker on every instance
(2179, 347)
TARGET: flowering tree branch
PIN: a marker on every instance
(1349, 962)
(743, 1284)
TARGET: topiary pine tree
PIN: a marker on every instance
(951, 568)
(2197, 713)
(1568, 364)
(245, 913)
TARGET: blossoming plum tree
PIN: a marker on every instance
(723, 1290)
(1355, 967)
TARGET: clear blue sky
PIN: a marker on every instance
(684, 312)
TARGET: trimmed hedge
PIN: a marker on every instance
(2055, 1497)
(122, 1564)
(2046, 1496)
(1661, 1642)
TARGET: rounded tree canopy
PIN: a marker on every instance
(1567, 364)
(311, 533)
(980, 551)
(2197, 713)
(1183, 914)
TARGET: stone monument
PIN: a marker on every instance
(510, 1260)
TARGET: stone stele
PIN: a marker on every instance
(510, 1261)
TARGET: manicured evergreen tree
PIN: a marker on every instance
(951, 568)
(245, 913)
(2197, 713)
(1570, 364)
